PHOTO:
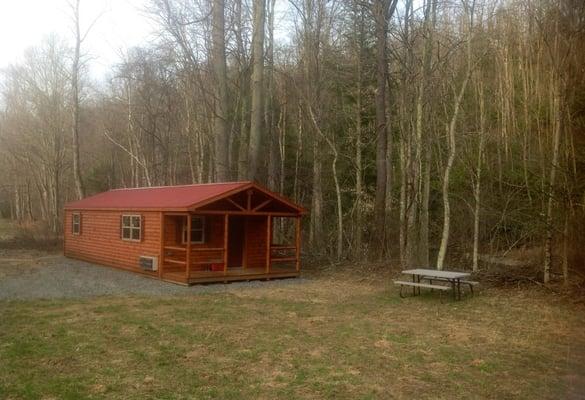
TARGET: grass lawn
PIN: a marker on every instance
(329, 337)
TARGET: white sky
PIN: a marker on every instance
(121, 24)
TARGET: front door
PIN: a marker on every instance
(236, 238)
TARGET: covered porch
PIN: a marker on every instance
(248, 235)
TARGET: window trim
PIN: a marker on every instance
(132, 228)
(203, 226)
(78, 224)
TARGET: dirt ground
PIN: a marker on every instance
(33, 274)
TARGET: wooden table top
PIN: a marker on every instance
(437, 273)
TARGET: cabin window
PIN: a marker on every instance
(132, 227)
(76, 224)
(197, 230)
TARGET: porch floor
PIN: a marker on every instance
(232, 274)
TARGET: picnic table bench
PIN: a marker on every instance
(453, 278)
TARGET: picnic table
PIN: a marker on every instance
(453, 278)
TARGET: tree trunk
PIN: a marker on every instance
(478, 170)
(79, 188)
(358, 229)
(269, 113)
(218, 61)
(257, 111)
(556, 124)
(566, 246)
(452, 149)
(299, 151)
(423, 145)
(331, 144)
(316, 233)
(381, 21)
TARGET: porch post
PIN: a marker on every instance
(268, 241)
(161, 259)
(188, 255)
(298, 244)
(245, 249)
(225, 242)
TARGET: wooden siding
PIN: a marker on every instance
(100, 240)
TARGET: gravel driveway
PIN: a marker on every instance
(60, 277)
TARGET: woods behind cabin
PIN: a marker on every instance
(433, 132)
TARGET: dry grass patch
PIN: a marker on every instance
(330, 337)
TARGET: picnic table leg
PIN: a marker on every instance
(454, 288)
(418, 280)
(414, 287)
(401, 295)
(459, 289)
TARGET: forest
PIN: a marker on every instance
(430, 132)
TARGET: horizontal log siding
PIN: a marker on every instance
(256, 251)
(100, 240)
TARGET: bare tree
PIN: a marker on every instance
(218, 64)
(257, 111)
(451, 134)
(382, 11)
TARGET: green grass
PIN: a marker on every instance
(329, 338)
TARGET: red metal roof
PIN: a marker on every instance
(161, 197)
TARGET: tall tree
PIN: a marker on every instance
(382, 11)
(221, 103)
(451, 134)
(79, 188)
(257, 112)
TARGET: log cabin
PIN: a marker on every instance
(188, 234)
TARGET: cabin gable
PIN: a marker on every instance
(252, 199)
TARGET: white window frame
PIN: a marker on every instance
(202, 230)
(131, 228)
(74, 224)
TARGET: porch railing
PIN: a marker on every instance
(201, 260)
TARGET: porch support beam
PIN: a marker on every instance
(161, 259)
(225, 242)
(188, 255)
(236, 204)
(259, 213)
(264, 203)
(268, 241)
(245, 250)
(249, 199)
(298, 243)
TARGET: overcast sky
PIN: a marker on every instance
(121, 24)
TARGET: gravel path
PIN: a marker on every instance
(61, 277)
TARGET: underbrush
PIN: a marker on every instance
(28, 235)
(520, 269)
